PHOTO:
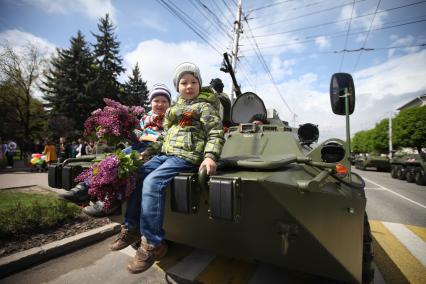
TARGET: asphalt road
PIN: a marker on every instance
(394, 200)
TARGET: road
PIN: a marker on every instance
(394, 200)
(393, 207)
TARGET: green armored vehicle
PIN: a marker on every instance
(380, 163)
(409, 167)
(276, 199)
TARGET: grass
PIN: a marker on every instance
(22, 212)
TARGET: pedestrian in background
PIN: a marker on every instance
(50, 152)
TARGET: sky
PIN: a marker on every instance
(287, 53)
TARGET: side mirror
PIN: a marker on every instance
(340, 85)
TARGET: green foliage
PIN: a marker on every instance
(23, 116)
(24, 212)
(69, 87)
(362, 142)
(128, 163)
(15, 124)
(107, 60)
(135, 90)
(380, 137)
(410, 128)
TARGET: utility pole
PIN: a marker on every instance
(390, 135)
(237, 31)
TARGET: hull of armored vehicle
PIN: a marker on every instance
(255, 209)
(380, 163)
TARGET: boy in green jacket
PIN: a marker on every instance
(193, 138)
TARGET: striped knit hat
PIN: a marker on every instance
(159, 90)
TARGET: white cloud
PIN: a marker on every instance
(157, 60)
(403, 41)
(17, 39)
(93, 9)
(323, 42)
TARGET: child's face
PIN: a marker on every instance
(159, 104)
(189, 88)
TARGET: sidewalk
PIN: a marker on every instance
(20, 176)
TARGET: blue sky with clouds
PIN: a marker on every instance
(288, 49)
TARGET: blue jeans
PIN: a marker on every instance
(145, 207)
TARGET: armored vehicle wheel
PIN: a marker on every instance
(367, 255)
(409, 174)
(419, 176)
(400, 173)
(393, 171)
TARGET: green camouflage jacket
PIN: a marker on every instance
(192, 129)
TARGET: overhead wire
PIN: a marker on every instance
(347, 35)
(216, 5)
(367, 49)
(269, 5)
(308, 14)
(217, 22)
(338, 21)
(312, 38)
(181, 15)
(292, 9)
(261, 59)
(366, 38)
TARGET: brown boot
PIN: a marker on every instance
(124, 239)
(146, 255)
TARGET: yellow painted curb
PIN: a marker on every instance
(391, 256)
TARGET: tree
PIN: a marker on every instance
(69, 86)
(410, 128)
(362, 142)
(108, 62)
(135, 90)
(19, 75)
(380, 137)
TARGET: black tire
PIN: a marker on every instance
(419, 176)
(393, 171)
(409, 174)
(367, 254)
(400, 173)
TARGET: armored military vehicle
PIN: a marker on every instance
(409, 167)
(380, 163)
(277, 199)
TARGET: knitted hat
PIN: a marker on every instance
(159, 90)
(185, 68)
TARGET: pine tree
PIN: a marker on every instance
(135, 90)
(108, 60)
(69, 85)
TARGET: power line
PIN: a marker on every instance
(338, 21)
(269, 5)
(214, 3)
(265, 66)
(366, 37)
(308, 14)
(176, 11)
(293, 9)
(339, 34)
(216, 22)
(361, 49)
(346, 38)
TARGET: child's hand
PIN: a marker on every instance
(145, 155)
(210, 166)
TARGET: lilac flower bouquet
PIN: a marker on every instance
(114, 123)
(114, 176)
